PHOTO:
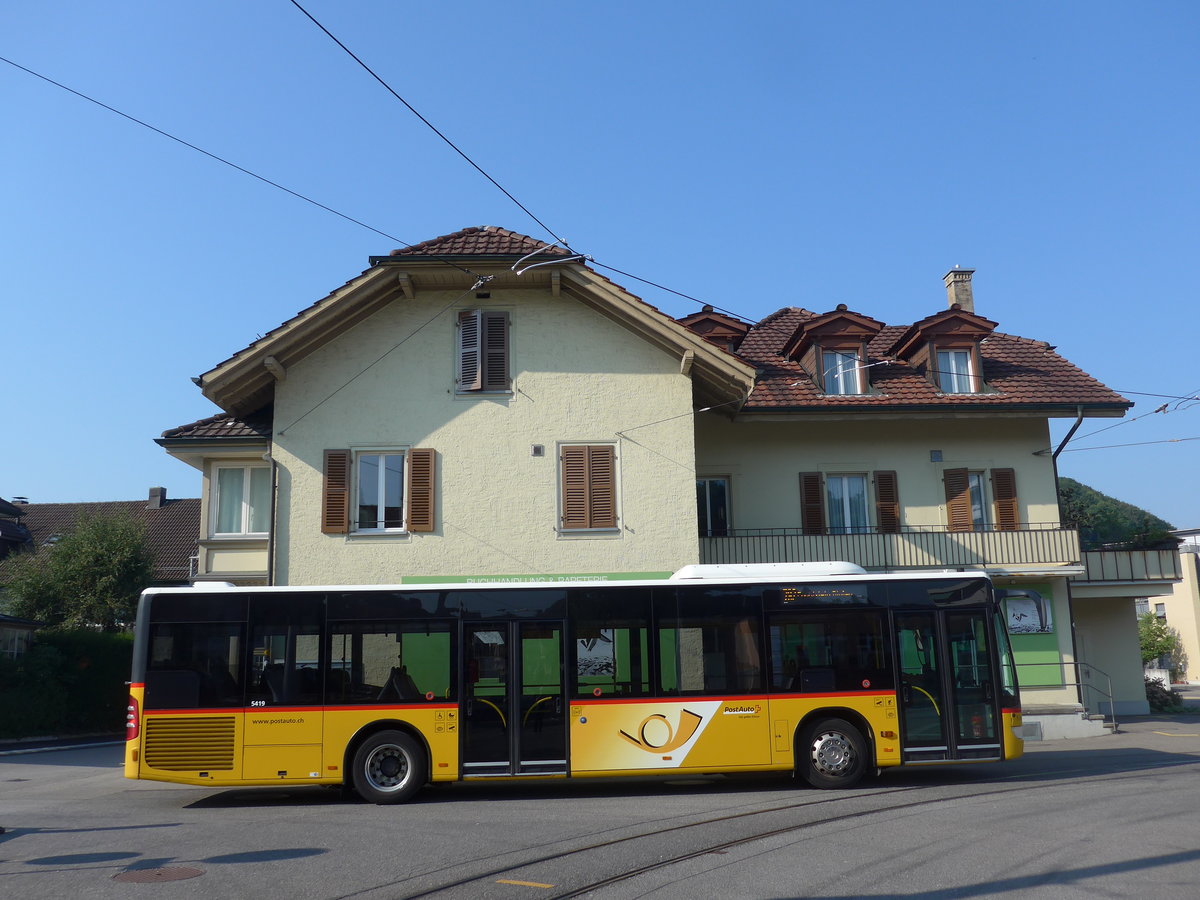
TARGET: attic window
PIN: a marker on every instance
(482, 351)
(840, 372)
(955, 372)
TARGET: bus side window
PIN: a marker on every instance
(818, 651)
(195, 666)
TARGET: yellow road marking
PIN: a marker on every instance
(523, 883)
(1177, 733)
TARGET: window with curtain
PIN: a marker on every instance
(243, 500)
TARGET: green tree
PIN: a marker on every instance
(1105, 520)
(1158, 639)
(91, 578)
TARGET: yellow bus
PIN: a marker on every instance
(821, 669)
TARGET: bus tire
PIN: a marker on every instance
(389, 767)
(831, 753)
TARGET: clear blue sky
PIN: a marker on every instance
(756, 155)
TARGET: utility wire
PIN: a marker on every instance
(1139, 444)
(413, 333)
(430, 125)
(226, 162)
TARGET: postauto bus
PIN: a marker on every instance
(822, 669)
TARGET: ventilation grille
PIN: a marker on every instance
(184, 743)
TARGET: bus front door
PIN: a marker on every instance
(949, 704)
(513, 717)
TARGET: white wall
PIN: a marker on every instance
(578, 377)
(765, 458)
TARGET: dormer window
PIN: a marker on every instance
(840, 372)
(954, 372)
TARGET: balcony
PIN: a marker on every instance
(1124, 566)
(925, 547)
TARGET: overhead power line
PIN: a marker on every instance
(429, 124)
(222, 160)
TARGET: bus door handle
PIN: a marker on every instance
(558, 706)
(470, 706)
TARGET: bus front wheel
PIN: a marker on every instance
(832, 754)
(389, 767)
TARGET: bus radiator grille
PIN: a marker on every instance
(180, 744)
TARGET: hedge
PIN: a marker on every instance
(66, 683)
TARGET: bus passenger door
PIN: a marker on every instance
(923, 709)
(513, 716)
(949, 704)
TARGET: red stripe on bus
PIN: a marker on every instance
(137, 684)
(224, 711)
(1016, 711)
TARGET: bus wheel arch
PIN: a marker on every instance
(834, 748)
(387, 762)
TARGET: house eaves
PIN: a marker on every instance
(245, 382)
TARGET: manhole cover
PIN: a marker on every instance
(149, 876)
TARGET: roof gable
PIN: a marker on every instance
(245, 382)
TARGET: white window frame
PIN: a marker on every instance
(977, 491)
(956, 372)
(848, 527)
(842, 377)
(245, 506)
(361, 453)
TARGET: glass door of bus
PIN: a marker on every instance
(514, 712)
(949, 704)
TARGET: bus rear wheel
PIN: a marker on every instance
(831, 754)
(389, 767)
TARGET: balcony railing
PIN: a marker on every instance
(1131, 565)
(923, 547)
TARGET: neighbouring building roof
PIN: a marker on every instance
(172, 529)
(1020, 373)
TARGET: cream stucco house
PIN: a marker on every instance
(485, 405)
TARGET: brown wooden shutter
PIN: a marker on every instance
(887, 503)
(422, 489)
(494, 354)
(958, 500)
(812, 503)
(470, 371)
(589, 487)
(602, 481)
(1004, 499)
(335, 493)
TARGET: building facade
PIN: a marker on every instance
(484, 405)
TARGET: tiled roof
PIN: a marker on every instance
(1019, 372)
(487, 240)
(172, 530)
(224, 425)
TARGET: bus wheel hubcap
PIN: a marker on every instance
(832, 753)
(387, 767)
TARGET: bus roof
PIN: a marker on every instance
(763, 573)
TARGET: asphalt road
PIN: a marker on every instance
(1110, 816)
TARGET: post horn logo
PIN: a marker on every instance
(655, 734)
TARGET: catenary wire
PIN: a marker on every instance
(227, 162)
(429, 124)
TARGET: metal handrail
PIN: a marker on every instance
(1080, 683)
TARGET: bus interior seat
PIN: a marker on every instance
(400, 686)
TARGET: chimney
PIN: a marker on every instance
(958, 289)
(158, 498)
